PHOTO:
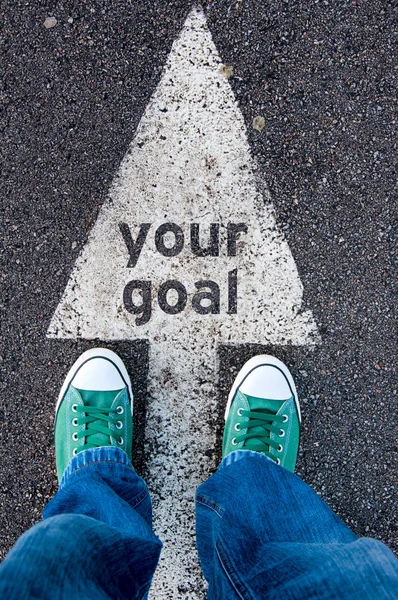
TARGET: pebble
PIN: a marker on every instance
(259, 123)
(227, 71)
(50, 22)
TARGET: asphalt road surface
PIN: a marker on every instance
(323, 78)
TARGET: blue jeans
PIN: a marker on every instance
(261, 533)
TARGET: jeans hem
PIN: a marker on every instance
(236, 455)
(103, 454)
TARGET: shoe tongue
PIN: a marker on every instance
(99, 399)
(261, 405)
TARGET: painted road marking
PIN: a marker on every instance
(185, 253)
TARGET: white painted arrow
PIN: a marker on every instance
(189, 165)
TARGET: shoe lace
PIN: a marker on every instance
(258, 431)
(97, 421)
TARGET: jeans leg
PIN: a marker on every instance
(96, 540)
(263, 533)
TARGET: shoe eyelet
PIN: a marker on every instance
(74, 451)
(74, 407)
(237, 427)
(280, 448)
(74, 437)
(234, 442)
(119, 425)
(121, 441)
(74, 422)
(285, 418)
(239, 412)
(282, 433)
(120, 410)
(278, 462)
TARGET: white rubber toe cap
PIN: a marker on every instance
(98, 374)
(266, 382)
(264, 376)
(98, 369)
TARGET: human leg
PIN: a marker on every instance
(96, 539)
(261, 531)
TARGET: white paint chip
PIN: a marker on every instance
(189, 163)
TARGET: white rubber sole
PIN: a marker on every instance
(253, 363)
(96, 353)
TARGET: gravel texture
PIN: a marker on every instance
(323, 76)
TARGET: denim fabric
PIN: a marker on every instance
(261, 533)
(96, 540)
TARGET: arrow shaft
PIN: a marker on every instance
(179, 435)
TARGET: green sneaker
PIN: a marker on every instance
(94, 407)
(263, 412)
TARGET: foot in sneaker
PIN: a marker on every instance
(263, 412)
(94, 407)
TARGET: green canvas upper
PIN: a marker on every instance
(271, 427)
(89, 419)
